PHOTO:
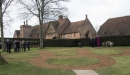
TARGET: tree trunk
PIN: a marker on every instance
(41, 12)
(1, 26)
(41, 35)
(2, 60)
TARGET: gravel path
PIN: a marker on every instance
(44, 55)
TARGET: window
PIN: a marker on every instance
(60, 36)
(64, 36)
(86, 35)
(74, 34)
(53, 35)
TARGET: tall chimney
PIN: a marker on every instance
(60, 17)
(26, 22)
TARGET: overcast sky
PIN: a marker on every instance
(98, 12)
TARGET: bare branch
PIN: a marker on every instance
(27, 7)
(7, 4)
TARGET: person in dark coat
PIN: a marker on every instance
(94, 41)
(24, 45)
(8, 46)
(17, 46)
(28, 45)
(91, 41)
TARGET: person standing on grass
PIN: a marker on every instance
(91, 42)
(8, 46)
(21, 45)
(14, 45)
(28, 45)
(24, 45)
(98, 41)
(17, 46)
(94, 41)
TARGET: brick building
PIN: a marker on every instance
(61, 28)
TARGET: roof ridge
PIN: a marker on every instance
(120, 17)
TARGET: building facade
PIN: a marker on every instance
(61, 29)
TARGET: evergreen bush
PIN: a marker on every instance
(118, 41)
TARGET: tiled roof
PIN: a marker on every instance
(36, 30)
(115, 26)
(17, 32)
(62, 25)
(73, 27)
(56, 24)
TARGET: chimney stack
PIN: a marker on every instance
(26, 22)
(60, 17)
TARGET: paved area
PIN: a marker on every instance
(85, 72)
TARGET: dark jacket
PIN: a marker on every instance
(17, 44)
(8, 44)
(28, 44)
(24, 44)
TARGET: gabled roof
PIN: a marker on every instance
(35, 30)
(17, 32)
(57, 24)
(73, 27)
(115, 26)
(62, 25)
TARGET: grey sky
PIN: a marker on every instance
(98, 11)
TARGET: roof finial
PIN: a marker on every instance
(86, 16)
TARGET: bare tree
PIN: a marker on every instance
(4, 4)
(44, 10)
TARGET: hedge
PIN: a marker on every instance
(118, 41)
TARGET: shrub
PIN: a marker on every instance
(118, 41)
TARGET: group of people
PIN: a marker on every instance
(18, 46)
(95, 41)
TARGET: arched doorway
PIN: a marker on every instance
(87, 34)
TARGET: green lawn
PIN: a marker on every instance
(123, 62)
(120, 68)
(23, 67)
(106, 51)
(63, 51)
(79, 61)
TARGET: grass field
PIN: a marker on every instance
(23, 66)
(123, 62)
